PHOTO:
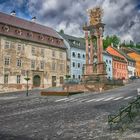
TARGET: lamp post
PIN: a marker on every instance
(27, 79)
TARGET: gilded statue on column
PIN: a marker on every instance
(95, 15)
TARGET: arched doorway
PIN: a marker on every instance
(36, 81)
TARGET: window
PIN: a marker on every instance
(106, 61)
(19, 62)
(73, 54)
(78, 65)
(79, 56)
(42, 52)
(110, 61)
(79, 76)
(61, 67)
(5, 28)
(53, 53)
(19, 47)
(32, 64)
(73, 64)
(42, 65)
(7, 45)
(7, 61)
(61, 55)
(108, 69)
(73, 76)
(53, 66)
(33, 50)
(83, 56)
(61, 80)
(18, 79)
(6, 79)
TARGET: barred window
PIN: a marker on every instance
(53, 66)
(6, 79)
(53, 53)
(42, 65)
(32, 64)
(61, 55)
(19, 62)
(7, 45)
(7, 61)
(19, 47)
(33, 50)
(18, 79)
(42, 52)
(61, 67)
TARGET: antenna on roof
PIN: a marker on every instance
(33, 19)
(13, 13)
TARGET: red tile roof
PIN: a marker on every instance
(28, 25)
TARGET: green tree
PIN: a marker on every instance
(115, 40)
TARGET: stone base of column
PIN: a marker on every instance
(101, 68)
(88, 69)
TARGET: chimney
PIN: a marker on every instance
(33, 19)
(13, 13)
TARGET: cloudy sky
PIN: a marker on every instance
(122, 17)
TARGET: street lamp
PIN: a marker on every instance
(27, 79)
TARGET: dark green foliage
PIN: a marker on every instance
(115, 40)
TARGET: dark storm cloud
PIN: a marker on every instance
(122, 17)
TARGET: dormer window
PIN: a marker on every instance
(5, 28)
(41, 37)
(58, 41)
(50, 39)
(19, 32)
(29, 34)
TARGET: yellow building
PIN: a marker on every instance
(30, 49)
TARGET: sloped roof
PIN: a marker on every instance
(27, 25)
(70, 40)
(106, 53)
(119, 53)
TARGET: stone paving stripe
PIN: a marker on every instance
(90, 100)
(7, 98)
(117, 98)
(100, 99)
(61, 99)
(69, 99)
(110, 98)
(74, 100)
(129, 97)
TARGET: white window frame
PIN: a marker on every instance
(18, 79)
(6, 78)
(33, 50)
(33, 64)
(19, 62)
(42, 64)
(6, 61)
(7, 45)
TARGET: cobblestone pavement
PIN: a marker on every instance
(78, 117)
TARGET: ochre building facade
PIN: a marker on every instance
(28, 49)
